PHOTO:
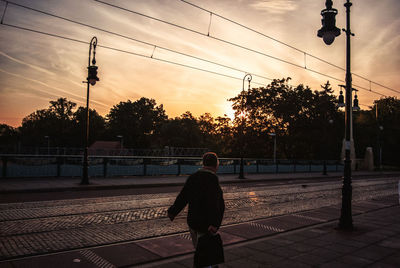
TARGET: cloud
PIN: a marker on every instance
(275, 6)
(25, 63)
(52, 87)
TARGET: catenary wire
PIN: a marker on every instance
(137, 40)
(170, 50)
(283, 43)
(129, 52)
(237, 45)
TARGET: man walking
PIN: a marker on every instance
(205, 198)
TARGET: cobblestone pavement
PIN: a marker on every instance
(51, 226)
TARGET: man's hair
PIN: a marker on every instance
(210, 159)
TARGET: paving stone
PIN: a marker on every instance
(353, 243)
(66, 260)
(43, 227)
(355, 261)
(302, 247)
(393, 259)
(247, 230)
(382, 264)
(228, 238)
(5, 265)
(334, 264)
(280, 241)
(291, 263)
(244, 263)
(172, 265)
(243, 251)
(284, 252)
(167, 246)
(262, 246)
(188, 262)
(339, 248)
(231, 256)
(373, 252)
(391, 243)
(265, 258)
(125, 254)
(309, 259)
(317, 242)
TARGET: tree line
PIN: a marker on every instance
(307, 123)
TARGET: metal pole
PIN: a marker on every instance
(275, 148)
(85, 175)
(346, 221)
(241, 171)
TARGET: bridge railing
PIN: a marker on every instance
(111, 166)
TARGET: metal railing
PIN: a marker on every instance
(15, 165)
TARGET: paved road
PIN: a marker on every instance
(34, 228)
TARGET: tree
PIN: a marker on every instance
(55, 122)
(138, 122)
(297, 115)
(97, 126)
(183, 131)
(386, 116)
(8, 138)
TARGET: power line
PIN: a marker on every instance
(127, 52)
(160, 47)
(137, 40)
(243, 47)
(282, 43)
(177, 52)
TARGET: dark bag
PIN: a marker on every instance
(209, 250)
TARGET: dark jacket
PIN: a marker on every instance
(205, 198)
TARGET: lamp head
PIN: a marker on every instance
(329, 31)
(92, 75)
(356, 107)
(341, 100)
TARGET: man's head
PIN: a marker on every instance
(210, 160)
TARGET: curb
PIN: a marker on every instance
(92, 187)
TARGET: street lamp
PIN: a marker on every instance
(274, 135)
(328, 32)
(379, 134)
(90, 80)
(243, 118)
(121, 142)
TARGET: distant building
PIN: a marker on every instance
(106, 148)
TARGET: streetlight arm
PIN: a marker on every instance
(93, 43)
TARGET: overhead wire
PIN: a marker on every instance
(246, 48)
(283, 43)
(137, 40)
(125, 51)
(164, 48)
(128, 52)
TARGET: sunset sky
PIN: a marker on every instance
(35, 68)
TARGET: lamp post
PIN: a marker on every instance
(243, 118)
(379, 134)
(121, 142)
(274, 135)
(90, 80)
(328, 32)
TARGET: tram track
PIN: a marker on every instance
(51, 233)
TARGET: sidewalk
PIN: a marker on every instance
(21, 185)
(303, 239)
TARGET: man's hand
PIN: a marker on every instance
(171, 216)
(212, 229)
